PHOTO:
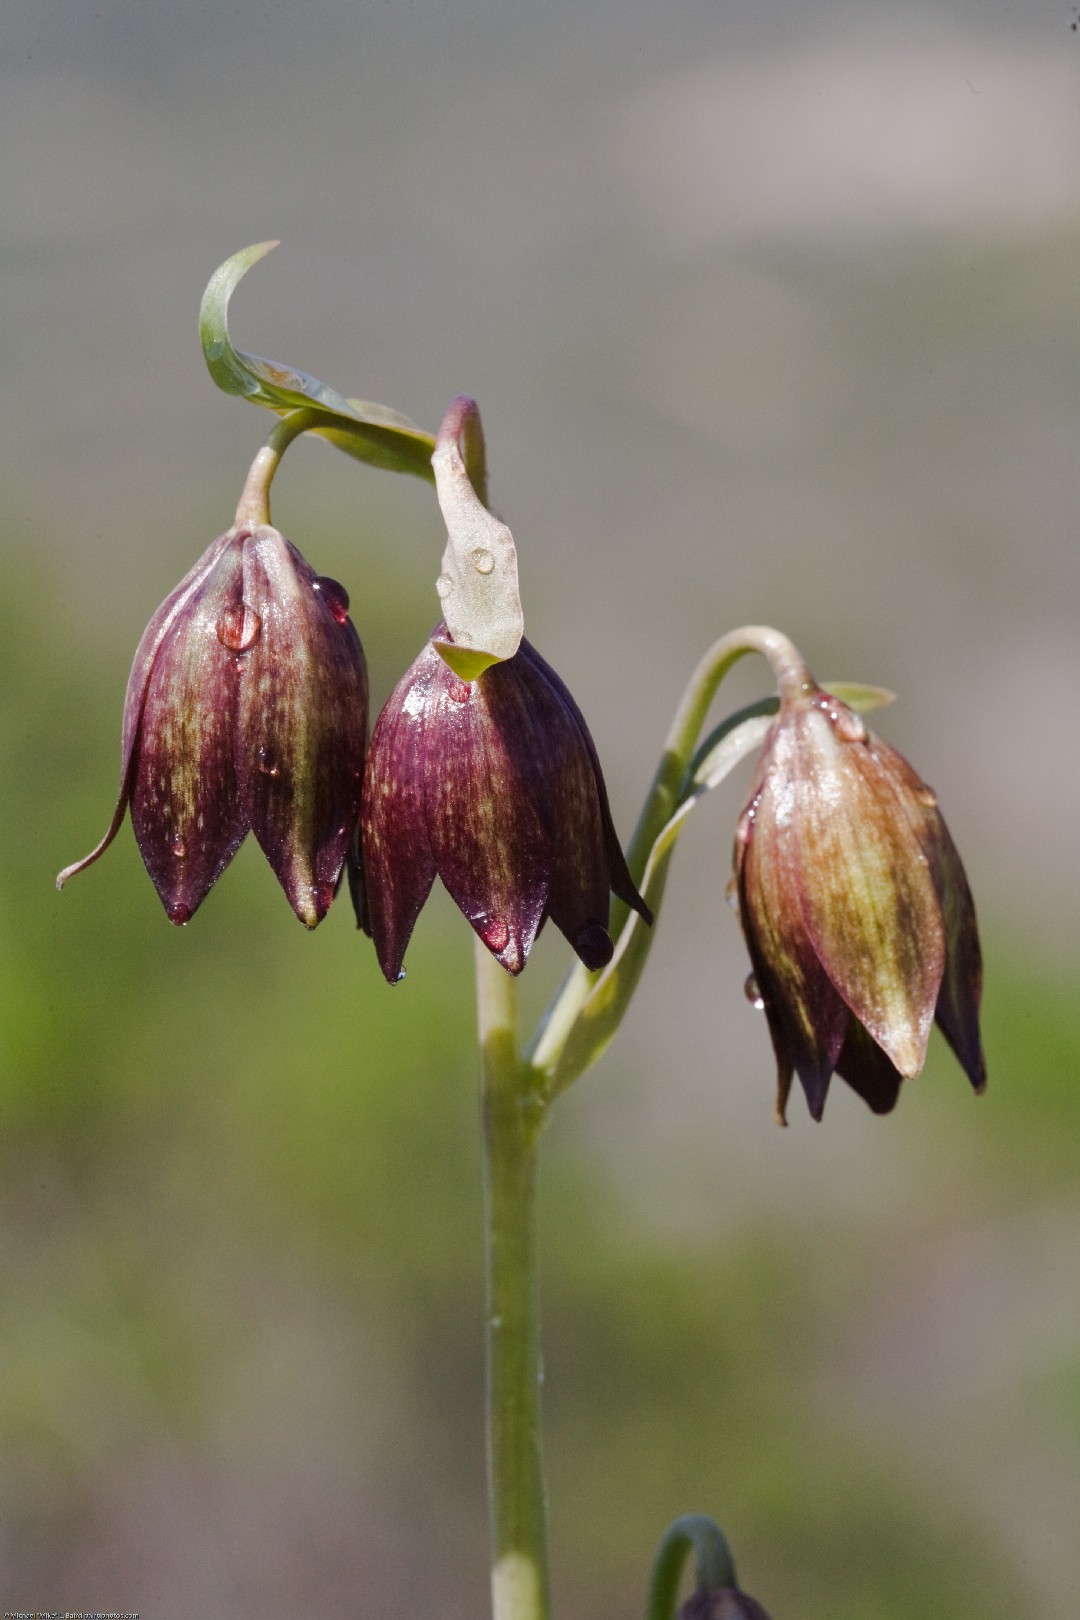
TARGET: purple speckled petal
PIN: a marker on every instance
(487, 802)
(398, 865)
(619, 879)
(302, 721)
(185, 809)
(807, 1017)
(866, 892)
(152, 637)
(961, 985)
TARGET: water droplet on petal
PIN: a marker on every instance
(239, 627)
(495, 934)
(444, 585)
(268, 766)
(401, 975)
(593, 945)
(334, 594)
(178, 913)
(482, 560)
(179, 846)
(731, 892)
(753, 993)
(460, 692)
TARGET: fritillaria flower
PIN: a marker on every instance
(855, 907)
(494, 785)
(246, 709)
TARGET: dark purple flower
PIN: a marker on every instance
(494, 785)
(856, 909)
(246, 708)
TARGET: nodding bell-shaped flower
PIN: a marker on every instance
(246, 709)
(855, 907)
(494, 785)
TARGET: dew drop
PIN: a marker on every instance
(753, 993)
(179, 846)
(334, 594)
(483, 561)
(444, 585)
(268, 765)
(496, 934)
(731, 892)
(460, 692)
(239, 627)
(178, 913)
(400, 976)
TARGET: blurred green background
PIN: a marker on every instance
(773, 314)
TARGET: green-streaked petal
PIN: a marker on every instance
(866, 890)
(302, 721)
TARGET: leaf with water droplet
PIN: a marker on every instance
(372, 433)
(478, 582)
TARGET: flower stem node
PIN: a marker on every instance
(246, 708)
(855, 907)
(495, 786)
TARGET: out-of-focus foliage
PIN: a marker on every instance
(240, 1291)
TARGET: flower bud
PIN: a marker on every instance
(494, 785)
(722, 1603)
(246, 708)
(855, 907)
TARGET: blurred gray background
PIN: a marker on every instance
(773, 314)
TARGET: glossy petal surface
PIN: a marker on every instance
(398, 865)
(302, 720)
(185, 810)
(866, 890)
(490, 821)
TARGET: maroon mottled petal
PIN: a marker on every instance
(185, 809)
(868, 1070)
(567, 799)
(619, 879)
(398, 865)
(487, 795)
(302, 722)
(868, 900)
(152, 637)
(961, 986)
(807, 1017)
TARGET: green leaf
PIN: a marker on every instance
(859, 696)
(372, 433)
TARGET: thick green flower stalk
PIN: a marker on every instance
(247, 710)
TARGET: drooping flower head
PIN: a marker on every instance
(246, 708)
(494, 785)
(855, 907)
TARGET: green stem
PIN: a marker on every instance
(513, 1117)
(714, 1567)
(254, 504)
